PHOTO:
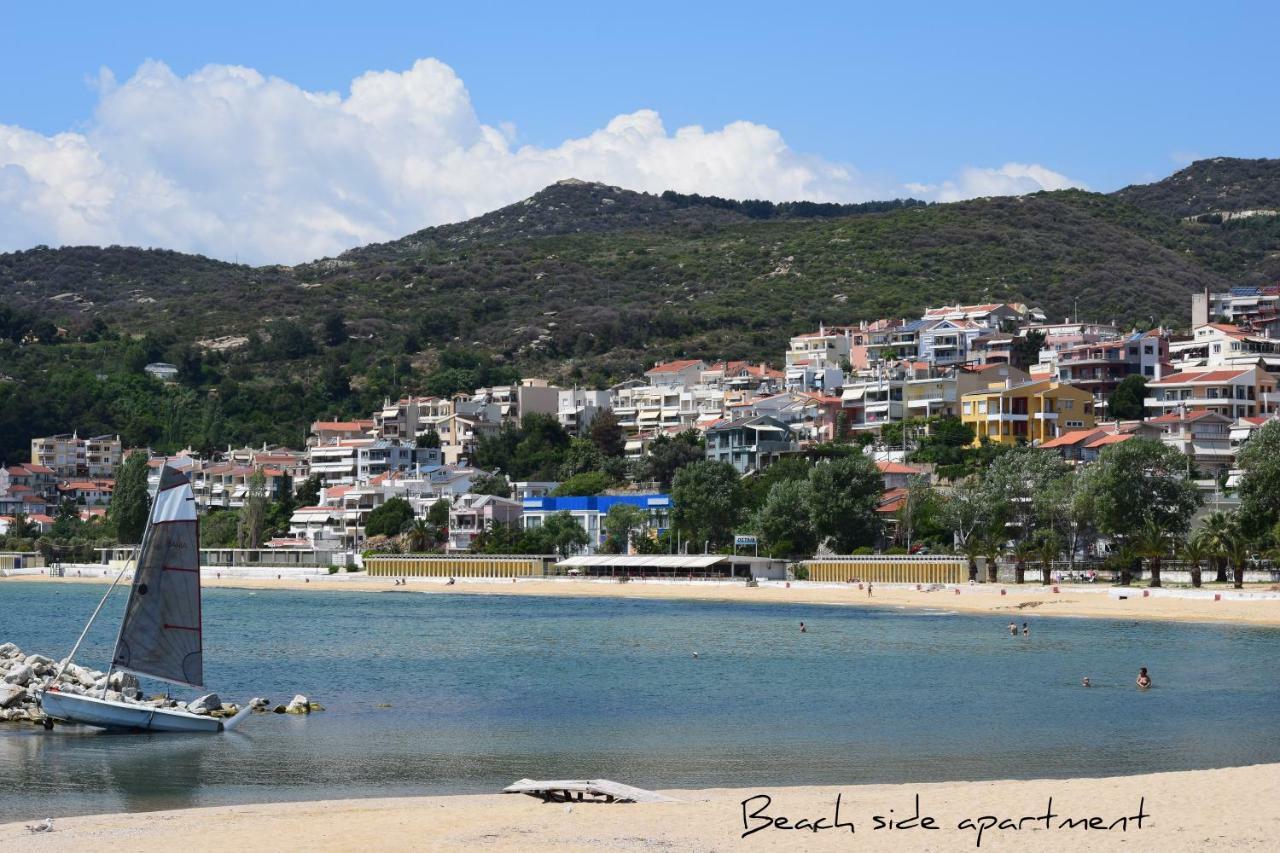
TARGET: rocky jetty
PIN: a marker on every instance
(23, 676)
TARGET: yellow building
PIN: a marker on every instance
(1029, 413)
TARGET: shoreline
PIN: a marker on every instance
(1236, 808)
(1259, 606)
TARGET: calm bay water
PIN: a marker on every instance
(484, 690)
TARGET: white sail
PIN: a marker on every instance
(161, 633)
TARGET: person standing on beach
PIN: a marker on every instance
(1144, 680)
(868, 589)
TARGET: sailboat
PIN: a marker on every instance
(161, 632)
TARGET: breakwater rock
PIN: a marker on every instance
(23, 676)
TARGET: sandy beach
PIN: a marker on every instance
(1259, 606)
(1229, 809)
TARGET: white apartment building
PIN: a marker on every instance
(576, 408)
(815, 361)
(1232, 392)
(68, 455)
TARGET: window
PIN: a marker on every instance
(1067, 405)
(968, 408)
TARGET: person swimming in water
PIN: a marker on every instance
(1026, 630)
(1013, 629)
(1084, 682)
(1144, 680)
(803, 629)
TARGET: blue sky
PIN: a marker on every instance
(1102, 94)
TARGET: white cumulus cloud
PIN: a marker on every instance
(230, 163)
(1009, 179)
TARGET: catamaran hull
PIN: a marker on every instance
(106, 714)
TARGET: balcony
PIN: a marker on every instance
(1046, 416)
(1007, 417)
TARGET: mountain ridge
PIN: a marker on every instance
(638, 272)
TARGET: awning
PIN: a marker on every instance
(655, 561)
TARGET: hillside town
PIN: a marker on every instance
(1009, 375)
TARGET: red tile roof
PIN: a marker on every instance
(1070, 439)
(887, 467)
(892, 500)
(1187, 376)
(343, 426)
(1112, 438)
(673, 366)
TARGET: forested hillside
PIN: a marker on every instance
(581, 283)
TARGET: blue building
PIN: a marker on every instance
(590, 512)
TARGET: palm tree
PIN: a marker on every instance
(992, 539)
(1152, 542)
(1021, 551)
(418, 534)
(1047, 549)
(1237, 551)
(971, 549)
(1195, 550)
(1217, 526)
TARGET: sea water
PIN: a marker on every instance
(430, 694)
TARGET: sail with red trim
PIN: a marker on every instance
(161, 633)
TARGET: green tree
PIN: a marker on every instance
(843, 495)
(1048, 546)
(490, 484)
(218, 529)
(967, 511)
(1195, 549)
(1236, 547)
(783, 520)
(607, 434)
(668, 455)
(308, 493)
(428, 440)
(564, 533)
(918, 511)
(419, 535)
(707, 503)
(1153, 543)
(622, 524)
(582, 457)
(1126, 402)
(438, 513)
(335, 329)
(1140, 484)
(1023, 485)
(1259, 460)
(289, 340)
(587, 483)
(1218, 529)
(756, 488)
(1026, 349)
(253, 514)
(388, 519)
(130, 501)
(67, 523)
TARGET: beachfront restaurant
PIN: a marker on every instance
(704, 566)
